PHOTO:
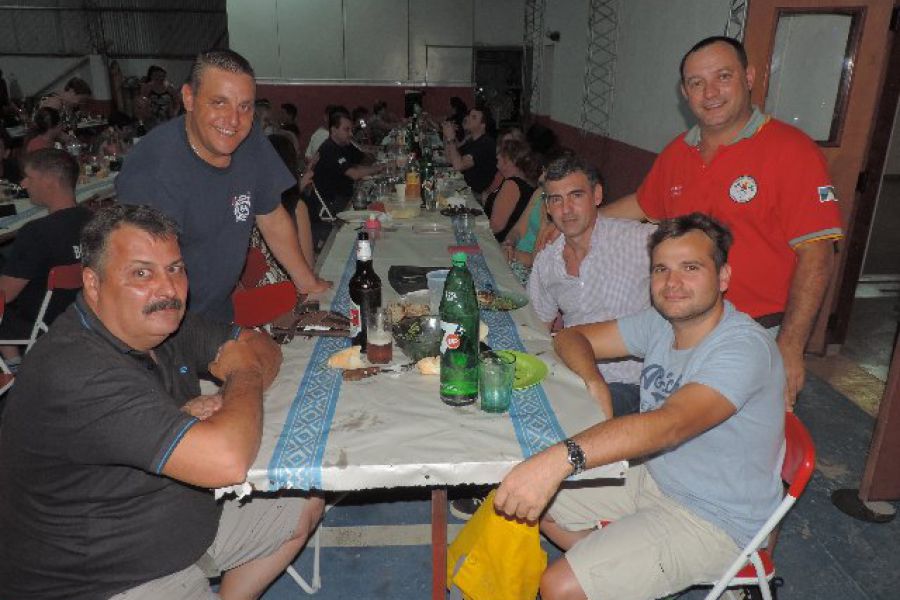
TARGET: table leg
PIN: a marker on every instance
(439, 543)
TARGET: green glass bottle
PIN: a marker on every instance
(459, 346)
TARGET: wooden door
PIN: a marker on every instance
(820, 65)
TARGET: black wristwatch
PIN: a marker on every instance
(575, 456)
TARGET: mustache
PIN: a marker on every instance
(167, 304)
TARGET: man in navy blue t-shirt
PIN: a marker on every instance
(216, 174)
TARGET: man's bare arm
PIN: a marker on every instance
(11, 287)
(280, 233)
(693, 409)
(580, 347)
(815, 264)
(626, 207)
(451, 152)
(357, 172)
(219, 450)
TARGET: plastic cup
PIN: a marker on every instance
(436, 280)
(379, 341)
(496, 372)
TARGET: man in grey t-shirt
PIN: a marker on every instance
(710, 435)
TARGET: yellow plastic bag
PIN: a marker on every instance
(503, 558)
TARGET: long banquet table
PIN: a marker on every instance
(392, 430)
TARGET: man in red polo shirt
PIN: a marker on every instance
(766, 180)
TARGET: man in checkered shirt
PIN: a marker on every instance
(597, 270)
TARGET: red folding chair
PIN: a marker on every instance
(754, 565)
(62, 277)
(255, 268)
(259, 306)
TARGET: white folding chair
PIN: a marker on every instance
(324, 212)
(62, 277)
(315, 582)
(6, 376)
(754, 566)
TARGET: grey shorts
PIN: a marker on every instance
(248, 530)
(653, 546)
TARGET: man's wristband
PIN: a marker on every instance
(575, 456)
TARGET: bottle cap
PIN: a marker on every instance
(372, 222)
(459, 259)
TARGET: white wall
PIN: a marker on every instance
(653, 35)
(370, 40)
(33, 73)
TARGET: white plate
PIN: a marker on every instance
(360, 216)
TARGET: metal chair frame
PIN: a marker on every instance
(62, 277)
(754, 565)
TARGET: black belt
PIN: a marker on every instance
(770, 320)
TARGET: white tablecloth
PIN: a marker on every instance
(392, 430)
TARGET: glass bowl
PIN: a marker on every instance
(418, 337)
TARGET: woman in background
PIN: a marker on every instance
(506, 204)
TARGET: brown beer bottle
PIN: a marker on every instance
(365, 291)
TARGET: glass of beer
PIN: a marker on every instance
(379, 341)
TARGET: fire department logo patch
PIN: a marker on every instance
(743, 189)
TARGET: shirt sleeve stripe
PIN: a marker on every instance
(834, 233)
(171, 448)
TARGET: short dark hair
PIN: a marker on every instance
(490, 125)
(290, 109)
(79, 86)
(57, 162)
(458, 105)
(96, 233)
(45, 119)
(567, 164)
(675, 228)
(154, 69)
(715, 39)
(227, 60)
(335, 116)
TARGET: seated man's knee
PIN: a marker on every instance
(559, 583)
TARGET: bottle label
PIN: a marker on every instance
(452, 338)
(363, 250)
(355, 319)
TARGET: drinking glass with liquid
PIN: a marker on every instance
(380, 341)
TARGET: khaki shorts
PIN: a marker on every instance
(248, 530)
(653, 546)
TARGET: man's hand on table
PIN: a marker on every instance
(526, 490)
(253, 352)
(203, 407)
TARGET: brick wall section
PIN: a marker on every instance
(623, 166)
